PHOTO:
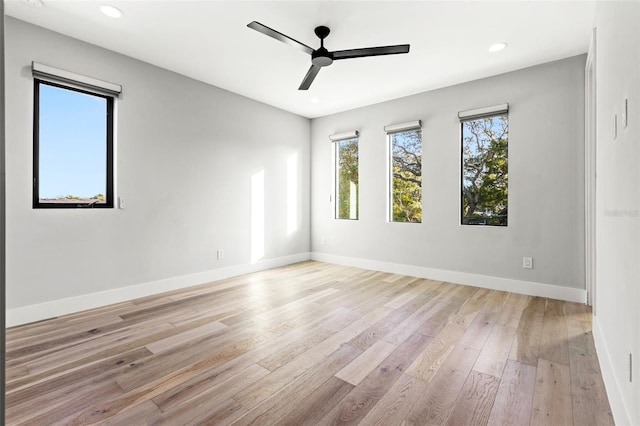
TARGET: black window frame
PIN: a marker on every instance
(109, 195)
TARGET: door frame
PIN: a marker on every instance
(590, 173)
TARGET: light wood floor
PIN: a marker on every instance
(311, 343)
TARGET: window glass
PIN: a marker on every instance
(346, 178)
(406, 176)
(485, 171)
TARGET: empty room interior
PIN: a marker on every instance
(320, 212)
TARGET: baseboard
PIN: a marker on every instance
(54, 308)
(476, 280)
(621, 415)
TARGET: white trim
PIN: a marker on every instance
(401, 127)
(472, 114)
(49, 72)
(621, 415)
(476, 280)
(590, 120)
(54, 308)
(343, 136)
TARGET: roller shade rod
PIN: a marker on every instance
(401, 127)
(474, 114)
(50, 73)
(343, 136)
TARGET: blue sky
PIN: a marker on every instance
(72, 143)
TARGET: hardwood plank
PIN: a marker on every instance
(282, 401)
(409, 326)
(434, 404)
(439, 316)
(393, 406)
(554, 340)
(512, 309)
(475, 400)
(402, 299)
(515, 395)
(479, 330)
(374, 333)
(435, 354)
(222, 413)
(366, 362)
(179, 339)
(60, 411)
(495, 351)
(552, 395)
(589, 396)
(577, 312)
(467, 313)
(61, 387)
(295, 304)
(255, 394)
(145, 413)
(316, 405)
(526, 346)
(355, 406)
(209, 390)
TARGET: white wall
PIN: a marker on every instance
(617, 321)
(546, 172)
(2, 212)
(186, 152)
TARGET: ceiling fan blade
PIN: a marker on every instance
(370, 51)
(308, 79)
(279, 36)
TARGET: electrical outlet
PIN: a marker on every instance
(323, 241)
(220, 254)
(527, 262)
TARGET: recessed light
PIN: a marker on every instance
(315, 100)
(111, 11)
(497, 47)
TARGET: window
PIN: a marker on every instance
(73, 147)
(405, 148)
(346, 161)
(485, 170)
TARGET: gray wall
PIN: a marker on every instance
(617, 320)
(546, 172)
(186, 152)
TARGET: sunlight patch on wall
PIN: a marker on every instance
(292, 194)
(257, 216)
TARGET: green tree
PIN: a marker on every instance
(485, 171)
(347, 179)
(406, 150)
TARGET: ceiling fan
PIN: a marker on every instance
(321, 57)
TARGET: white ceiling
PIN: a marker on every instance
(209, 41)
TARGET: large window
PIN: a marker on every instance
(73, 147)
(485, 170)
(405, 148)
(346, 161)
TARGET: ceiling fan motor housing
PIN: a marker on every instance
(321, 57)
